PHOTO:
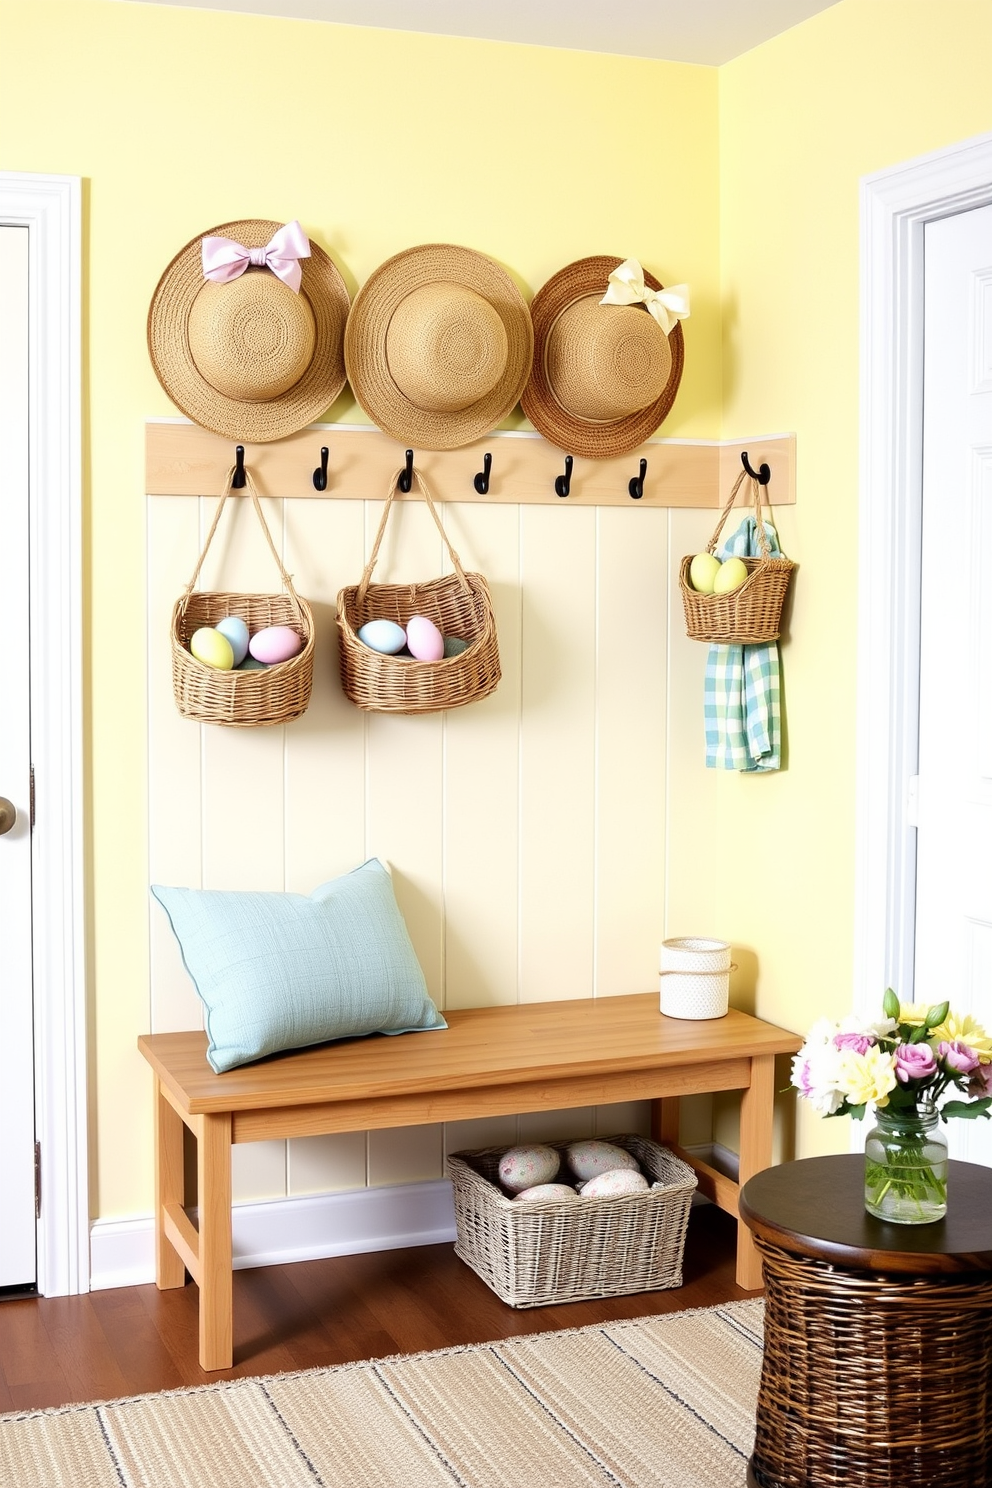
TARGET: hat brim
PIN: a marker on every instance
(365, 345)
(581, 436)
(172, 358)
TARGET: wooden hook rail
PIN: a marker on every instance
(182, 459)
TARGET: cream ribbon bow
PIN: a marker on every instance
(627, 287)
(224, 259)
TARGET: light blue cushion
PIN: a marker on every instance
(281, 971)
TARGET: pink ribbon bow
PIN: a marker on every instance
(224, 260)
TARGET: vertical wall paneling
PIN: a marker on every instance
(557, 751)
(482, 783)
(630, 741)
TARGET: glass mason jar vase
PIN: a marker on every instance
(906, 1166)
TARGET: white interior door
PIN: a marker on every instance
(17, 1106)
(954, 837)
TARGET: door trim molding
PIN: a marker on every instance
(895, 206)
(50, 208)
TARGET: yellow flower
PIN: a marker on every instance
(867, 1077)
(914, 1013)
(963, 1027)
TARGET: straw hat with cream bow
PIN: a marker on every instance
(438, 346)
(246, 330)
(608, 356)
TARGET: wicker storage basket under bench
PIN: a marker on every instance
(535, 1254)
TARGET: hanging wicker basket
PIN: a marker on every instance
(252, 699)
(459, 604)
(747, 616)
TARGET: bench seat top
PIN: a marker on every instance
(481, 1047)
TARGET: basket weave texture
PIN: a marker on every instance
(536, 1254)
(869, 1380)
(459, 604)
(747, 616)
(251, 699)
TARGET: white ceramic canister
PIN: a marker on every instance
(695, 978)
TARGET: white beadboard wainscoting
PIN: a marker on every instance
(525, 833)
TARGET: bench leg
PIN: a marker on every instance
(170, 1270)
(757, 1110)
(213, 1168)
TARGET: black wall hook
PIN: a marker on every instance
(636, 485)
(563, 483)
(320, 476)
(481, 481)
(238, 480)
(406, 476)
(762, 475)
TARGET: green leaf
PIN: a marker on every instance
(856, 1111)
(919, 1035)
(936, 1015)
(970, 1110)
(890, 1004)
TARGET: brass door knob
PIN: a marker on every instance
(8, 815)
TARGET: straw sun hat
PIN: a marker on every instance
(255, 352)
(604, 375)
(438, 346)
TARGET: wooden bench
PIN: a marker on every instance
(492, 1061)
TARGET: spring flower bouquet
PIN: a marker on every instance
(905, 1065)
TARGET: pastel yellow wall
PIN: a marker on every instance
(178, 120)
(859, 88)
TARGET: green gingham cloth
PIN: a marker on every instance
(742, 695)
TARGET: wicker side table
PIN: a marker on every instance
(878, 1337)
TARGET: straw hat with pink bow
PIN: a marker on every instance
(246, 330)
(608, 355)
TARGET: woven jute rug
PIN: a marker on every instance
(660, 1402)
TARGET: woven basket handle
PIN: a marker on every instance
(456, 562)
(759, 524)
(250, 485)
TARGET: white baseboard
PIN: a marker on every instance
(275, 1233)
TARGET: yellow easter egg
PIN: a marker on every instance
(212, 648)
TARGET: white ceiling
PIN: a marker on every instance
(709, 32)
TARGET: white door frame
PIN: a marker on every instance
(50, 208)
(895, 206)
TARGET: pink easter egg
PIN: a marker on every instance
(423, 639)
(275, 643)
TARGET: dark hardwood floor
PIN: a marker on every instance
(133, 1340)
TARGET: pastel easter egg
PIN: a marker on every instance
(544, 1193)
(523, 1167)
(619, 1181)
(275, 643)
(424, 639)
(236, 631)
(454, 646)
(249, 664)
(589, 1158)
(383, 635)
(212, 648)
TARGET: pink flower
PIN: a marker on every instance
(980, 1083)
(959, 1056)
(858, 1043)
(914, 1062)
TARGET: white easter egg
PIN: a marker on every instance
(424, 639)
(236, 631)
(383, 635)
(544, 1193)
(211, 648)
(619, 1181)
(589, 1158)
(523, 1167)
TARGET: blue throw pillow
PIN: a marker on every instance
(281, 971)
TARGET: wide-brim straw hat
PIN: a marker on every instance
(250, 359)
(604, 376)
(438, 346)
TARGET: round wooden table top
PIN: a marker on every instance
(816, 1207)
